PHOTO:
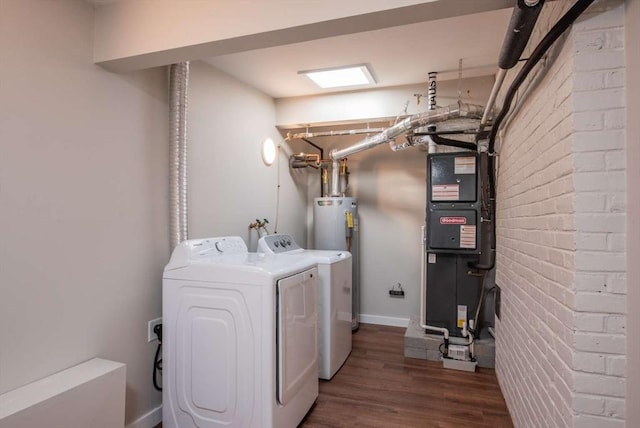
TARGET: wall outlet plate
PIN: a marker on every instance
(151, 336)
(396, 293)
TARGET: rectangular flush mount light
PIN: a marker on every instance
(338, 77)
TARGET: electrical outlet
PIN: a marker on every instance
(151, 336)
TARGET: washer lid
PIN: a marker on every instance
(327, 257)
(286, 245)
(248, 268)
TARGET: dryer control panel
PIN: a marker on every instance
(212, 246)
(207, 247)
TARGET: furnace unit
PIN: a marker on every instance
(453, 239)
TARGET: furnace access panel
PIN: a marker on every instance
(453, 203)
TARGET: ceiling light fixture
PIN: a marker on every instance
(339, 77)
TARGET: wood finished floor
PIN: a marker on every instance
(379, 387)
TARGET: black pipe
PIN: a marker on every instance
(316, 146)
(523, 19)
(481, 134)
(321, 159)
(549, 39)
(441, 141)
(558, 29)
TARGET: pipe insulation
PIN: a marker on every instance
(523, 19)
(536, 55)
(440, 114)
(178, 85)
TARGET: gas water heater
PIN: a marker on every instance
(335, 227)
(453, 240)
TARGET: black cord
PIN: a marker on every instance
(321, 150)
(157, 362)
(549, 39)
(440, 349)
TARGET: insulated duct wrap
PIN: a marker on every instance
(178, 85)
(523, 20)
(439, 114)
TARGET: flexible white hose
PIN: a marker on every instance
(178, 85)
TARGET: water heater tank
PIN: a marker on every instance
(335, 227)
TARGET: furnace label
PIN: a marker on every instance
(445, 192)
(465, 165)
(467, 236)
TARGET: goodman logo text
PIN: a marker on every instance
(453, 220)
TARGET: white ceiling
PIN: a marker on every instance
(399, 55)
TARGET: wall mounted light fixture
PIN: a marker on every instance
(268, 151)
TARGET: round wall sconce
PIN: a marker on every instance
(268, 151)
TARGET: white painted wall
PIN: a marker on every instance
(632, 52)
(83, 201)
(561, 235)
(390, 187)
(229, 185)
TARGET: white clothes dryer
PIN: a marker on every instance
(239, 337)
(334, 299)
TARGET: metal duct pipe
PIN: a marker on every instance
(178, 85)
(335, 177)
(303, 135)
(492, 97)
(440, 114)
(429, 117)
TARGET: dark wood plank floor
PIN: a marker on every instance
(379, 387)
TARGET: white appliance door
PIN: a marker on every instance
(297, 332)
(214, 368)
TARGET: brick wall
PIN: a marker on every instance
(600, 189)
(561, 218)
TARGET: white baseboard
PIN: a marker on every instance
(381, 320)
(149, 420)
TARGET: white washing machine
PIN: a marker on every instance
(239, 337)
(334, 299)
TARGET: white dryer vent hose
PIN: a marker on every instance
(178, 85)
